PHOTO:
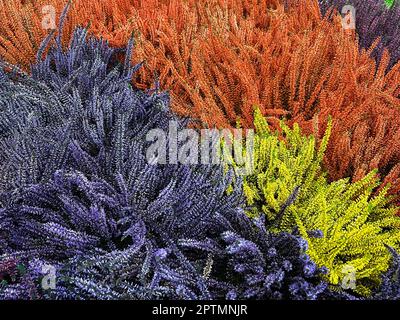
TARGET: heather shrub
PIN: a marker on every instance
(375, 21)
(353, 226)
(389, 289)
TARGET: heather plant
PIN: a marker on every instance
(77, 134)
(257, 264)
(78, 194)
(375, 21)
(123, 230)
(390, 286)
(16, 281)
(354, 226)
(24, 24)
(217, 76)
(244, 261)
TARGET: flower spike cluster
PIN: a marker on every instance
(87, 212)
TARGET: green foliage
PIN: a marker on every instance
(355, 224)
(389, 3)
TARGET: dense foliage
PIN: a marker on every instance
(375, 21)
(79, 194)
(218, 58)
(354, 227)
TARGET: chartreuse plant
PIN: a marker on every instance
(389, 3)
(346, 227)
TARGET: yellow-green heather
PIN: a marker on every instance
(354, 226)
